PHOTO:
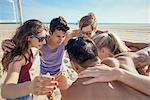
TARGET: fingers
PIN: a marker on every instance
(93, 80)
(62, 81)
(88, 74)
(44, 90)
(7, 45)
(148, 69)
(44, 85)
(45, 77)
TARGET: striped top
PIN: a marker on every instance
(51, 59)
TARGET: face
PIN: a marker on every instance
(88, 31)
(57, 37)
(38, 40)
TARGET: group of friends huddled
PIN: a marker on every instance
(107, 67)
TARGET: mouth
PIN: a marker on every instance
(59, 42)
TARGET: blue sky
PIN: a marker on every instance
(107, 11)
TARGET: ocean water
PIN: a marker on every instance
(130, 32)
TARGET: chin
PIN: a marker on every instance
(39, 47)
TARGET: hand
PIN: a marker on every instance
(7, 45)
(144, 70)
(76, 32)
(100, 73)
(62, 81)
(43, 85)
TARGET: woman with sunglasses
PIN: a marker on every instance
(18, 61)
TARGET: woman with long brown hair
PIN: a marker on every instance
(18, 62)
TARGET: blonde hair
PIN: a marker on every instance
(89, 19)
(111, 41)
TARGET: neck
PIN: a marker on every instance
(51, 45)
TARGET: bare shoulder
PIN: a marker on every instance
(127, 63)
(14, 69)
(17, 63)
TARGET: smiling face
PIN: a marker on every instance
(87, 30)
(38, 40)
(57, 37)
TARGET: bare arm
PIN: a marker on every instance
(107, 74)
(138, 82)
(38, 86)
(136, 46)
(10, 83)
(70, 35)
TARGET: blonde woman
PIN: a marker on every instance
(109, 44)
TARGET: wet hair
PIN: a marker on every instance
(110, 41)
(87, 20)
(59, 23)
(20, 39)
(82, 50)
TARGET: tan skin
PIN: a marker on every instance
(106, 74)
(54, 41)
(106, 90)
(40, 85)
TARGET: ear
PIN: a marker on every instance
(29, 38)
(103, 50)
(74, 66)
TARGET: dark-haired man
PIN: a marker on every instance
(83, 54)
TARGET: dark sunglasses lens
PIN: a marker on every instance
(41, 39)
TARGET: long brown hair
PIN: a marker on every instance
(30, 27)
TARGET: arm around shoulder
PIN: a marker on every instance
(136, 81)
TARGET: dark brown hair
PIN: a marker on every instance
(30, 27)
(58, 23)
(83, 51)
(87, 20)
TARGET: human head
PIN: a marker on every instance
(109, 44)
(58, 29)
(88, 25)
(82, 51)
(31, 34)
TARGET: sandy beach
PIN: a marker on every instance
(130, 32)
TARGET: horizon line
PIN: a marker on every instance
(78, 23)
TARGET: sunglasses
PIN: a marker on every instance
(41, 39)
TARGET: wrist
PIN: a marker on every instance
(30, 87)
(119, 73)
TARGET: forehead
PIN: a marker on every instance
(43, 33)
(87, 28)
(59, 32)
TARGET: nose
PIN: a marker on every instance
(61, 38)
(44, 41)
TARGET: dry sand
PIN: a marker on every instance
(136, 33)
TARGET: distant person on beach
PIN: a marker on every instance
(83, 54)
(88, 25)
(109, 45)
(18, 62)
